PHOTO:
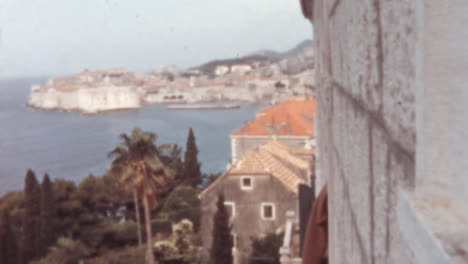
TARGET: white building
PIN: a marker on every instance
(221, 70)
(241, 68)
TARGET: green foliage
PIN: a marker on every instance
(130, 255)
(180, 247)
(174, 161)
(8, 241)
(47, 216)
(108, 234)
(94, 218)
(221, 247)
(94, 214)
(103, 197)
(139, 164)
(192, 173)
(68, 207)
(161, 224)
(31, 221)
(66, 251)
(265, 249)
(11, 227)
(182, 203)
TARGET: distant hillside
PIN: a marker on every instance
(209, 67)
(299, 49)
(261, 57)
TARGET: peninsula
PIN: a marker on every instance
(259, 77)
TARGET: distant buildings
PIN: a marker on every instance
(241, 68)
(221, 70)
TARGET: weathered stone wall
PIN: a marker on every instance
(372, 73)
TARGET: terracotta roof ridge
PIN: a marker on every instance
(283, 152)
(265, 167)
(287, 177)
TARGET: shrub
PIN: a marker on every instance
(265, 250)
(180, 247)
(130, 255)
(66, 251)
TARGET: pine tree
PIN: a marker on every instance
(32, 195)
(47, 216)
(221, 248)
(192, 173)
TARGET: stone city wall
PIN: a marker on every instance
(384, 67)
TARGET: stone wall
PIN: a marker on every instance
(392, 116)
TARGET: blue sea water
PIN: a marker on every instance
(71, 145)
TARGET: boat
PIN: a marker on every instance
(202, 106)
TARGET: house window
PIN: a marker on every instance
(246, 183)
(230, 208)
(234, 240)
(268, 211)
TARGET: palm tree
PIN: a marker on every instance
(138, 162)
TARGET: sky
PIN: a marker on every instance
(56, 37)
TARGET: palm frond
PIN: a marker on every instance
(164, 147)
(120, 150)
(154, 164)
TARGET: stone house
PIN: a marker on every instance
(260, 189)
(290, 122)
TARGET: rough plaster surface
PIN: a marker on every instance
(369, 57)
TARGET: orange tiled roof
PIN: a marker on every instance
(287, 118)
(271, 159)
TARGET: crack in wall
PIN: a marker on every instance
(380, 53)
(395, 152)
(388, 201)
(347, 198)
(402, 154)
(333, 9)
(371, 192)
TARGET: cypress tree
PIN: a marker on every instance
(221, 247)
(47, 216)
(11, 244)
(192, 173)
(32, 196)
(3, 240)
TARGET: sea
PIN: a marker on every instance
(72, 145)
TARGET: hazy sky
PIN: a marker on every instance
(52, 37)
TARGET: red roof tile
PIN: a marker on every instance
(288, 118)
(271, 159)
